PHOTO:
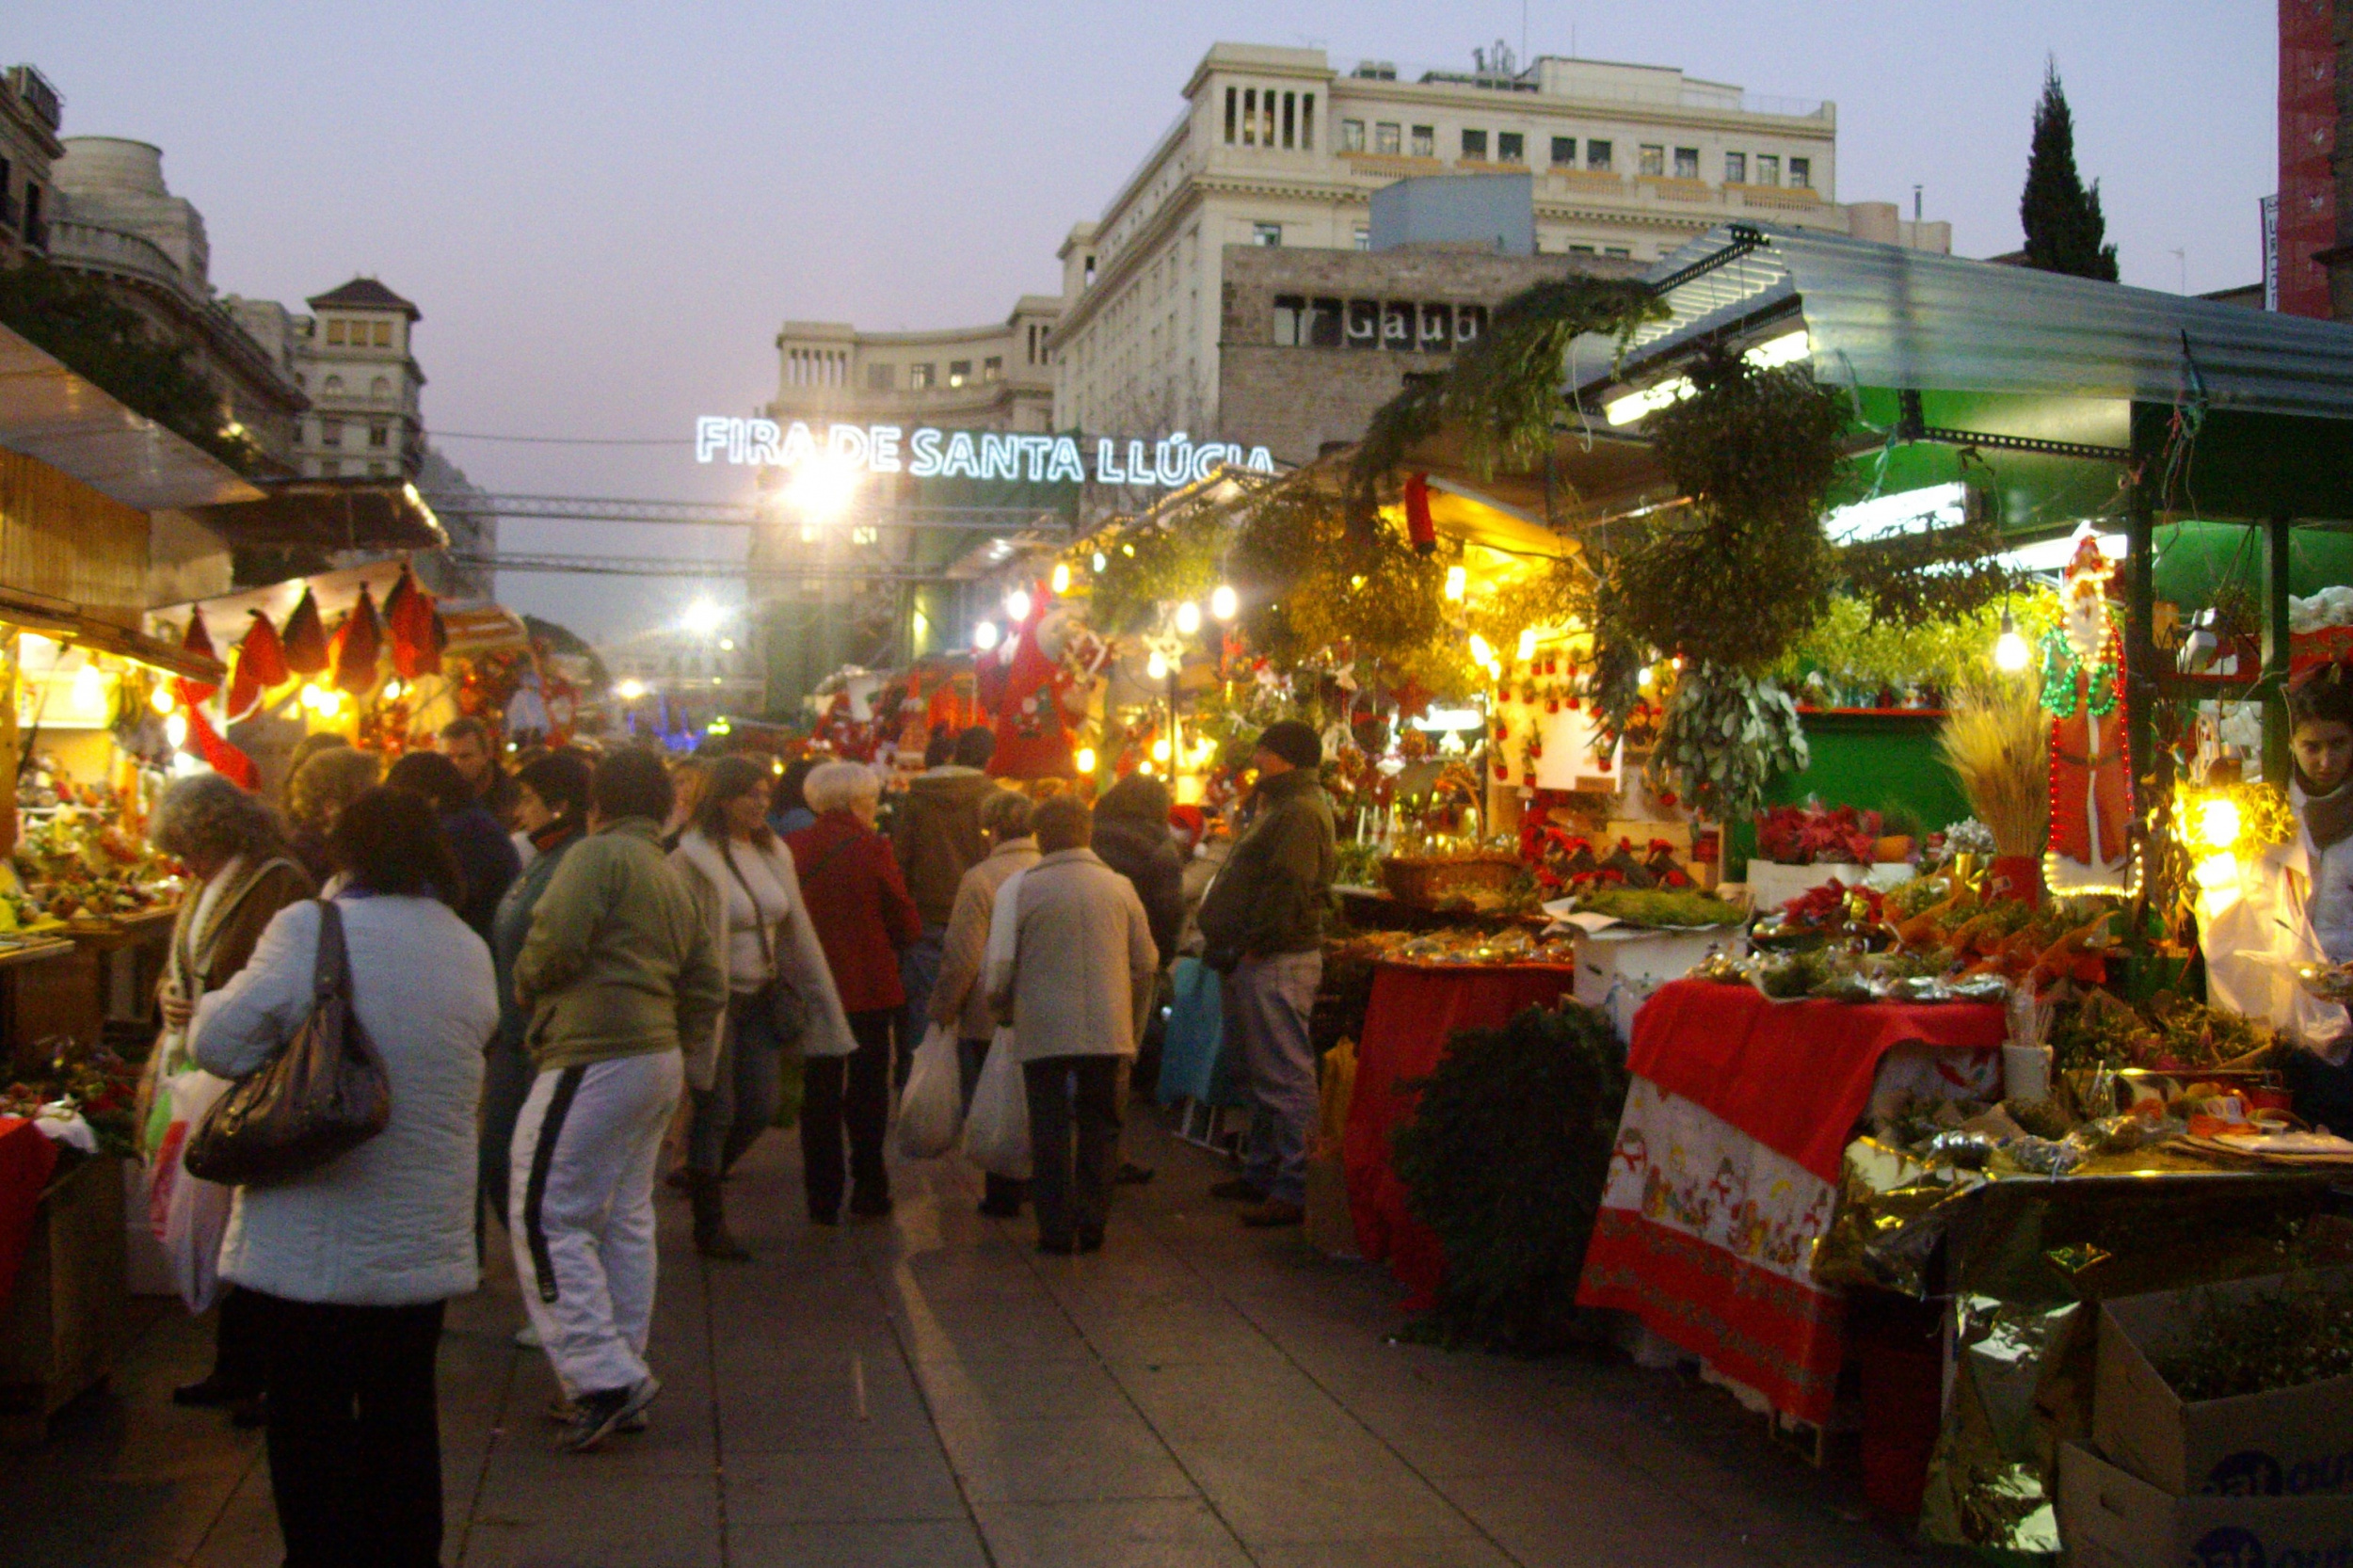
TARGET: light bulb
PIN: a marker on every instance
(160, 699)
(1223, 602)
(2218, 822)
(176, 730)
(1187, 619)
(90, 687)
(2011, 652)
(1527, 645)
(1160, 750)
(703, 617)
(1642, 677)
(1481, 652)
(1156, 666)
(1099, 561)
(1061, 577)
(393, 690)
(985, 635)
(1083, 760)
(1457, 583)
(1017, 605)
(629, 691)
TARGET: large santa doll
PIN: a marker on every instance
(2082, 690)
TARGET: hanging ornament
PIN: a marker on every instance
(197, 642)
(261, 664)
(306, 638)
(409, 614)
(1418, 527)
(359, 645)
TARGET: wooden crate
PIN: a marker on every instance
(66, 1324)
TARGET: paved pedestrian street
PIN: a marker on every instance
(932, 1392)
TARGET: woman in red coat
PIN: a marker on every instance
(859, 903)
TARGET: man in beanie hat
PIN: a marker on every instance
(1262, 923)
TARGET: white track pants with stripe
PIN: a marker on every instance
(580, 1196)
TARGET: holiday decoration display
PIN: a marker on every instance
(2082, 678)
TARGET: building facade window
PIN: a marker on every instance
(383, 334)
(993, 368)
(330, 432)
(1801, 173)
(1291, 318)
(335, 331)
(379, 434)
(1267, 234)
(330, 468)
(959, 372)
(1425, 141)
(878, 377)
(1474, 146)
(1565, 151)
(1768, 169)
(1687, 163)
(1233, 96)
(1363, 237)
(1597, 155)
(1511, 146)
(1735, 169)
(1624, 253)
(1654, 161)
(381, 389)
(919, 377)
(1351, 135)
(1388, 136)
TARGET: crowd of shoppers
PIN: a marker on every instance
(557, 957)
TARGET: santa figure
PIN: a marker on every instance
(2082, 690)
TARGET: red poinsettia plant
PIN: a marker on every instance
(1834, 904)
(1814, 834)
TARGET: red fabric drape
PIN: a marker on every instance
(1418, 527)
(306, 637)
(359, 645)
(27, 1160)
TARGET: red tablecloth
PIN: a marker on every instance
(26, 1159)
(1726, 1170)
(1413, 1012)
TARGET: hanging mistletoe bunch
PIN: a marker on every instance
(1145, 568)
(1726, 733)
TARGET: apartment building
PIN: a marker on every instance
(1275, 147)
(992, 377)
(352, 355)
(30, 115)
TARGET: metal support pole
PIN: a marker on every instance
(1176, 739)
(2152, 772)
(2279, 538)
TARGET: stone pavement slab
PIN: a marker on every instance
(930, 1390)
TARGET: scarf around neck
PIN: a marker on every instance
(2329, 818)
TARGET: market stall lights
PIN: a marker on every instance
(160, 699)
(2217, 871)
(1187, 619)
(985, 635)
(1457, 583)
(703, 617)
(1156, 666)
(392, 691)
(1160, 750)
(176, 730)
(1482, 652)
(629, 691)
(2218, 821)
(1440, 721)
(1062, 577)
(2011, 652)
(1017, 605)
(1223, 602)
(1083, 760)
(1099, 561)
(1786, 349)
(88, 687)
(1527, 645)
(1642, 677)
(726, 645)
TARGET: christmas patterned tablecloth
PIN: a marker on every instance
(1726, 1167)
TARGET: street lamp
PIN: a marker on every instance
(629, 691)
(703, 617)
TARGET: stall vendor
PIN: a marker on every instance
(2294, 904)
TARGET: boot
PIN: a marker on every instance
(710, 1221)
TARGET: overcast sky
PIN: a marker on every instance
(604, 210)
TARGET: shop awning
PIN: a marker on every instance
(330, 514)
(50, 413)
(66, 623)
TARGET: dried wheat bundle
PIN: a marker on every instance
(1997, 739)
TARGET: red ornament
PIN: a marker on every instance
(408, 615)
(359, 645)
(306, 638)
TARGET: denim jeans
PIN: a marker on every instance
(919, 976)
(742, 1100)
(1268, 1005)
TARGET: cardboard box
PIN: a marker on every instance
(1630, 956)
(2109, 1518)
(2289, 1442)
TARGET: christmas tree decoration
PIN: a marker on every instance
(306, 638)
(2083, 678)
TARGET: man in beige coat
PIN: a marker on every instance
(1075, 993)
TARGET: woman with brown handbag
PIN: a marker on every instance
(352, 1262)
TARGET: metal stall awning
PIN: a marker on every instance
(50, 413)
(330, 515)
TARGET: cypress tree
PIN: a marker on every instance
(2064, 229)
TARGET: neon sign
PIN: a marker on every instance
(925, 453)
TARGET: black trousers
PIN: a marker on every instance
(355, 1437)
(853, 1093)
(240, 1340)
(1074, 1142)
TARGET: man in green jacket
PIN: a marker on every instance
(623, 985)
(1262, 922)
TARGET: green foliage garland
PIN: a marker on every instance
(1146, 568)
(1724, 736)
(1505, 1159)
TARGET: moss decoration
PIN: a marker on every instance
(1505, 1159)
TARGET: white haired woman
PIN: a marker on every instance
(234, 846)
(850, 886)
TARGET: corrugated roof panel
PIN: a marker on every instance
(50, 414)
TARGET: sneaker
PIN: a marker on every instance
(597, 1417)
(1271, 1213)
(560, 1410)
(528, 1337)
(1238, 1190)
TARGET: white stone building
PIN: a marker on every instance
(352, 356)
(991, 378)
(1277, 148)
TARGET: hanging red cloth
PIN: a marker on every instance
(408, 615)
(358, 647)
(261, 664)
(1418, 527)
(200, 643)
(306, 638)
(219, 755)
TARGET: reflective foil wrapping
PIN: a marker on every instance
(2019, 1375)
(1891, 1215)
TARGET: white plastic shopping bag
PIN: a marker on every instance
(189, 1216)
(931, 1109)
(997, 1128)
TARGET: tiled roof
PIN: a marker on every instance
(365, 293)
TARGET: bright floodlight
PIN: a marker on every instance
(821, 488)
(703, 617)
(985, 635)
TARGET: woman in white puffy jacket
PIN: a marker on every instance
(352, 1263)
